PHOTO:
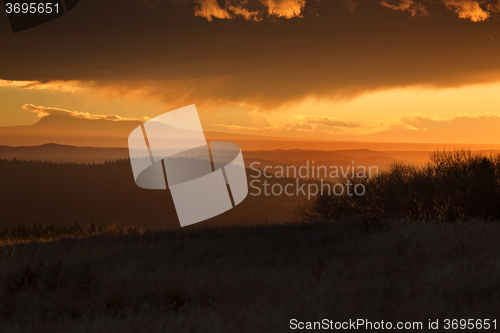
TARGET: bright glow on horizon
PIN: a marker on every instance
(411, 114)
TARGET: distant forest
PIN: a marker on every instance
(60, 194)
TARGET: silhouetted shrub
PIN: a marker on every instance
(453, 185)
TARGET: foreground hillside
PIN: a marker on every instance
(252, 279)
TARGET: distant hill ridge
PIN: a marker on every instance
(64, 153)
(92, 132)
(279, 157)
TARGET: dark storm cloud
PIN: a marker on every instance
(334, 49)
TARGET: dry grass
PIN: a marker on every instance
(41, 233)
(251, 279)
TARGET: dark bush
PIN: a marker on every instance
(451, 186)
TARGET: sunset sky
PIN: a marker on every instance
(402, 71)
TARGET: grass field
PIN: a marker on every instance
(251, 279)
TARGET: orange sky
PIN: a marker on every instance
(468, 114)
(397, 71)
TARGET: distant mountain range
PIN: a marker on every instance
(52, 152)
(261, 158)
(67, 139)
(105, 133)
(69, 131)
(99, 133)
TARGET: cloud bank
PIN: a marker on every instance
(458, 129)
(162, 52)
(43, 111)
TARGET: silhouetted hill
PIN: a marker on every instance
(295, 157)
(101, 133)
(62, 153)
(401, 271)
